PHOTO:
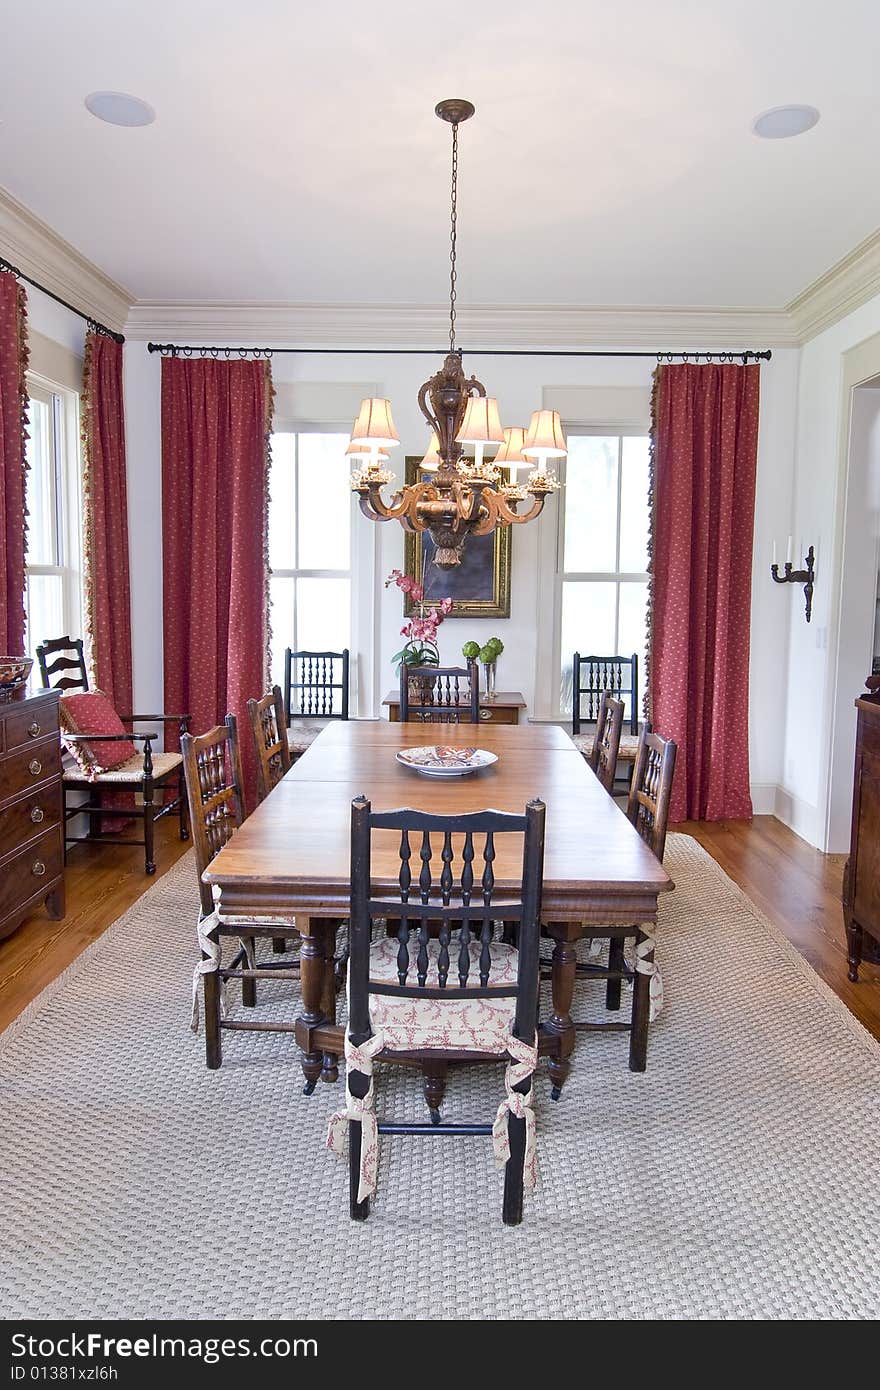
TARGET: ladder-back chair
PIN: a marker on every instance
(62, 667)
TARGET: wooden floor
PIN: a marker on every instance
(795, 885)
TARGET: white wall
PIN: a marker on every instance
(519, 384)
(805, 714)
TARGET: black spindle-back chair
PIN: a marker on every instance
(592, 676)
(463, 901)
(444, 694)
(316, 684)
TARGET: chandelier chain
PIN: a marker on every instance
(453, 236)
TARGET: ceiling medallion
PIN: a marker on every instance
(464, 496)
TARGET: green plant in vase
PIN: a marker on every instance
(488, 654)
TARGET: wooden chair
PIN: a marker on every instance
(591, 677)
(146, 774)
(606, 745)
(269, 733)
(315, 690)
(445, 694)
(212, 768)
(395, 987)
(648, 809)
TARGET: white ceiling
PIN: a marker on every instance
(296, 156)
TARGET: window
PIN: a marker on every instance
(309, 545)
(53, 601)
(602, 551)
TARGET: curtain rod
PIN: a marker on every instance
(92, 323)
(179, 350)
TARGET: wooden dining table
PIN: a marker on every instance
(292, 855)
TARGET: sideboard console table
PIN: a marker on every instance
(503, 708)
(31, 817)
(861, 878)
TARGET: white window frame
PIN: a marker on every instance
(67, 481)
(551, 552)
(361, 574)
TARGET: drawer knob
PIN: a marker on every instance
(37, 815)
(38, 868)
(34, 730)
(485, 714)
(35, 767)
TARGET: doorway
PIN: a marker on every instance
(859, 614)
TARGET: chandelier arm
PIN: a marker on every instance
(403, 504)
(512, 518)
(490, 517)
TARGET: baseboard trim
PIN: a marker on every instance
(799, 815)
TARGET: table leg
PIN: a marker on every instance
(311, 974)
(330, 1061)
(560, 1026)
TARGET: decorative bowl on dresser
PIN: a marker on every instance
(861, 877)
(31, 822)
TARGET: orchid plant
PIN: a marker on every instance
(421, 648)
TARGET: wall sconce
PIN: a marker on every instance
(792, 576)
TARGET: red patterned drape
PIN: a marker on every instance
(105, 521)
(705, 440)
(216, 418)
(13, 467)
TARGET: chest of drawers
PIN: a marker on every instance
(31, 810)
(861, 878)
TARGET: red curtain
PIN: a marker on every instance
(13, 466)
(216, 418)
(105, 521)
(705, 440)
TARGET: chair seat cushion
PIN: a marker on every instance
(92, 712)
(301, 733)
(410, 1024)
(132, 770)
(629, 745)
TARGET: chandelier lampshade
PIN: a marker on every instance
(374, 425)
(545, 437)
(510, 455)
(358, 450)
(481, 423)
(461, 497)
(431, 462)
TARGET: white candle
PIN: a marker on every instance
(788, 552)
(774, 552)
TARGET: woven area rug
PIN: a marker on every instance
(722, 1183)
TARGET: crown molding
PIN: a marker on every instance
(487, 326)
(846, 286)
(33, 248)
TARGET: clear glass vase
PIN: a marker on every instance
(489, 668)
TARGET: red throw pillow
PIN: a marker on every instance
(92, 713)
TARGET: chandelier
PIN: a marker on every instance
(463, 496)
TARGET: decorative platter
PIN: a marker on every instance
(437, 760)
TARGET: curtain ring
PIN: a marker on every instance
(215, 353)
(187, 352)
(227, 353)
(243, 352)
